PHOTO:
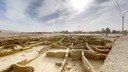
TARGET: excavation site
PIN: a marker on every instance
(63, 36)
(57, 53)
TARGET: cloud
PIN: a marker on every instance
(100, 15)
(15, 9)
(50, 15)
(33, 7)
(2, 9)
(100, 1)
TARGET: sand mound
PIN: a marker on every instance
(19, 68)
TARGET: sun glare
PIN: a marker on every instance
(79, 4)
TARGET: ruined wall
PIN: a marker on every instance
(19, 68)
(87, 66)
(64, 61)
(56, 54)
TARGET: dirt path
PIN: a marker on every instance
(6, 61)
(117, 60)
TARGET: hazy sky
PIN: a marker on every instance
(50, 15)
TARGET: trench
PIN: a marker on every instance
(74, 66)
(97, 64)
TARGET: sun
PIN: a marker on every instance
(79, 4)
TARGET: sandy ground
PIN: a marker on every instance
(17, 57)
(96, 64)
(74, 66)
(117, 60)
(45, 64)
(2, 34)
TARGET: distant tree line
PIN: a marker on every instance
(105, 31)
(102, 31)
